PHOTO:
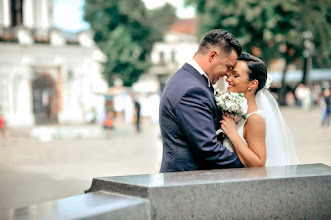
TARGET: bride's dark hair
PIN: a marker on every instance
(256, 69)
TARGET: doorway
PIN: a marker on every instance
(44, 92)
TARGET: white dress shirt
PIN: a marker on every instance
(196, 66)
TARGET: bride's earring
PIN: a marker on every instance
(249, 89)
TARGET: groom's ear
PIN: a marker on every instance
(212, 55)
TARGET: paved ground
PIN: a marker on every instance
(33, 171)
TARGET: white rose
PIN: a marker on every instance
(244, 108)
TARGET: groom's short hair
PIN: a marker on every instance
(221, 39)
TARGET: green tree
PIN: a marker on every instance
(125, 32)
(160, 19)
(269, 29)
(316, 19)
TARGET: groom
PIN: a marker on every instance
(188, 113)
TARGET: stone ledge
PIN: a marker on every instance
(287, 192)
(97, 205)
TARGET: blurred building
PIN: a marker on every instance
(46, 75)
(179, 44)
(294, 77)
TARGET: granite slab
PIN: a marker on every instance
(97, 205)
(287, 192)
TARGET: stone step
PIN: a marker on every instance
(98, 205)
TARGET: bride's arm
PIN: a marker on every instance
(254, 132)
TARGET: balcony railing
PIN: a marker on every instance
(10, 34)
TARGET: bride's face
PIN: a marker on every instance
(238, 79)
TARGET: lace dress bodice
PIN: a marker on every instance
(240, 129)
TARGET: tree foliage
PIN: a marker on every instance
(125, 31)
(160, 19)
(270, 29)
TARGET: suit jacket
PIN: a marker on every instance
(189, 119)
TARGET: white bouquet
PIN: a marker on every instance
(233, 103)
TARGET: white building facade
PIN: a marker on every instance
(178, 46)
(46, 76)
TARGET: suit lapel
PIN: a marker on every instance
(196, 74)
(204, 82)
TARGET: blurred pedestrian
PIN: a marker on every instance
(299, 94)
(2, 126)
(326, 109)
(154, 101)
(137, 109)
(316, 94)
(109, 124)
(145, 106)
(307, 98)
(109, 120)
(128, 108)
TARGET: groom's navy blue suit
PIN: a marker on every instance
(188, 120)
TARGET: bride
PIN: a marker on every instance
(263, 138)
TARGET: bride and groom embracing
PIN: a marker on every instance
(189, 116)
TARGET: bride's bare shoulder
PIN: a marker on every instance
(255, 121)
(254, 128)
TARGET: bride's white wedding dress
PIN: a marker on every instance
(279, 140)
(275, 157)
(240, 129)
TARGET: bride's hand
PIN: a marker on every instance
(228, 125)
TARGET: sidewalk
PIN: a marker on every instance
(34, 171)
(312, 142)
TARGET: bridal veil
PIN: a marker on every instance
(279, 140)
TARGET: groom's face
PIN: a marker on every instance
(220, 65)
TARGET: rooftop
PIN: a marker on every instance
(185, 26)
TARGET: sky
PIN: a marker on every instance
(68, 14)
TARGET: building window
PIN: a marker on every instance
(161, 61)
(16, 12)
(173, 56)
